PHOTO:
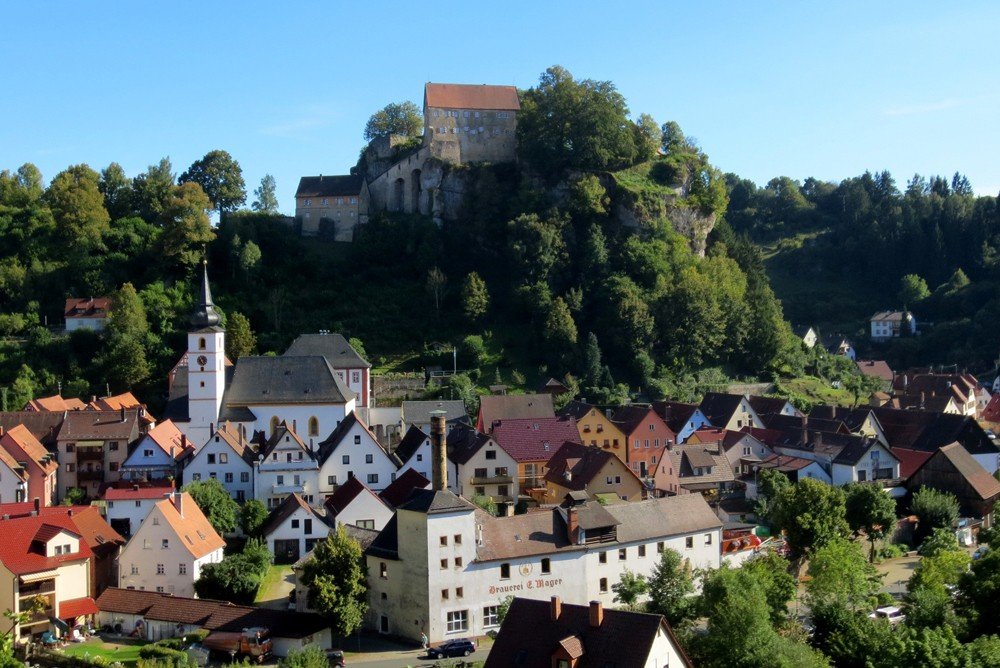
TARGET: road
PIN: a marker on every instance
(414, 658)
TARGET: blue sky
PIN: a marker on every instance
(801, 89)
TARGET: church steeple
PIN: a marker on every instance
(204, 314)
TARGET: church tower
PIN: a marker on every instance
(206, 357)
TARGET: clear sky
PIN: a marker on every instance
(800, 89)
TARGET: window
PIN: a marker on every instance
(480, 491)
(70, 447)
(165, 544)
(444, 541)
(196, 476)
(635, 444)
(159, 590)
(313, 426)
(457, 538)
(135, 569)
(444, 564)
(480, 473)
(331, 480)
(659, 547)
(308, 202)
(602, 557)
(308, 526)
(295, 524)
(459, 592)
(223, 458)
(366, 524)
(357, 439)
(546, 566)
(642, 550)
(281, 479)
(458, 620)
(147, 453)
(505, 571)
(708, 539)
(609, 480)
(651, 427)
(373, 478)
(383, 570)
(229, 477)
(211, 458)
(491, 615)
(296, 480)
(159, 569)
(113, 446)
(156, 521)
(420, 458)
(346, 459)
(70, 468)
(689, 542)
(604, 585)
(369, 459)
(458, 562)
(444, 594)
(491, 454)
(201, 343)
(622, 554)
(245, 476)
(500, 471)
(618, 480)
(182, 569)
(646, 444)
(503, 490)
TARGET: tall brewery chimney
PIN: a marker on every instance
(439, 452)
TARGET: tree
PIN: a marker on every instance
(770, 484)
(253, 514)
(249, 257)
(312, 656)
(841, 575)
(214, 500)
(436, 280)
(124, 356)
(670, 589)
(559, 329)
(940, 541)
(853, 639)
(266, 201)
(592, 362)
(77, 205)
(152, 189)
(486, 503)
(979, 589)
(395, 118)
(475, 297)
(912, 290)
(117, 191)
(673, 139)
(240, 339)
(336, 581)
(220, 177)
(186, 228)
(934, 509)
(872, 510)
(770, 571)
(629, 588)
(648, 137)
(812, 514)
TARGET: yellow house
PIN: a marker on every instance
(575, 468)
(596, 428)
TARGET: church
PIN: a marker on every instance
(312, 387)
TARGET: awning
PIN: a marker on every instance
(59, 624)
(77, 607)
(37, 576)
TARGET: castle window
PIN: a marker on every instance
(313, 426)
(324, 201)
(201, 343)
(465, 113)
(308, 202)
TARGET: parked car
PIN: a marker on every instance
(457, 647)
(335, 658)
(891, 613)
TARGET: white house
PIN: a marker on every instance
(292, 529)
(353, 449)
(13, 479)
(479, 466)
(353, 503)
(90, 313)
(158, 454)
(229, 458)
(286, 465)
(172, 544)
(414, 452)
(126, 507)
(347, 364)
(889, 324)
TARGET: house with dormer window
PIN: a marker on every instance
(286, 465)
(292, 529)
(353, 450)
(531, 442)
(158, 454)
(228, 457)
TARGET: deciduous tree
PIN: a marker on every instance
(670, 589)
(220, 177)
(78, 208)
(240, 339)
(336, 582)
(214, 500)
(872, 510)
(475, 297)
(395, 118)
(253, 514)
(265, 197)
(934, 510)
(812, 514)
(841, 575)
(186, 228)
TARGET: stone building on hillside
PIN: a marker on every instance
(471, 123)
(331, 206)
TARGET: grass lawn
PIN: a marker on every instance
(271, 587)
(817, 390)
(124, 651)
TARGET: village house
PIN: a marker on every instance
(926, 431)
(543, 634)
(496, 407)
(683, 419)
(876, 369)
(127, 505)
(227, 457)
(414, 452)
(744, 451)
(167, 552)
(331, 206)
(647, 437)
(158, 454)
(596, 428)
(403, 486)
(90, 313)
(952, 469)
(286, 465)
(418, 413)
(794, 468)
(729, 411)
(806, 334)
(576, 468)
(939, 392)
(887, 325)
(353, 503)
(845, 458)
(93, 445)
(32, 468)
(692, 467)
(466, 123)
(55, 403)
(292, 529)
(353, 450)
(837, 344)
(479, 466)
(772, 406)
(861, 420)
(531, 443)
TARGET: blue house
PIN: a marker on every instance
(157, 455)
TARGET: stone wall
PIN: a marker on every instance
(471, 135)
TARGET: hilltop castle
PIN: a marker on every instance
(462, 124)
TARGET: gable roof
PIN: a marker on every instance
(193, 530)
(575, 409)
(853, 418)
(400, 489)
(992, 411)
(20, 552)
(286, 509)
(55, 403)
(928, 431)
(463, 442)
(341, 185)
(284, 434)
(43, 425)
(87, 307)
(891, 316)
(688, 457)
(412, 440)
(791, 422)
(334, 347)
(19, 442)
(346, 494)
(529, 637)
(630, 417)
(763, 405)
(583, 463)
(288, 379)
(534, 440)
(470, 96)
(978, 478)
(101, 426)
(233, 436)
(329, 445)
(419, 412)
(494, 407)
(138, 491)
(90, 524)
(114, 402)
(675, 413)
(718, 408)
(875, 368)
(431, 502)
(170, 440)
(910, 460)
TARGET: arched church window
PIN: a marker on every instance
(313, 426)
(201, 343)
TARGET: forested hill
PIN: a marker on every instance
(837, 253)
(582, 261)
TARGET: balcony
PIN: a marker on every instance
(494, 480)
(39, 588)
(287, 489)
(90, 476)
(42, 616)
(89, 455)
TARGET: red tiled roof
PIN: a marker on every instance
(21, 439)
(470, 96)
(708, 435)
(169, 438)
(992, 411)
(54, 403)
(89, 522)
(77, 607)
(875, 368)
(137, 492)
(910, 460)
(346, 494)
(535, 439)
(19, 555)
(90, 307)
(192, 528)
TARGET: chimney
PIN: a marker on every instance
(596, 614)
(211, 428)
(833, 411)
(805, 429)
(93, 398)
(123, 413)
(184, 441)
(555, 609)
(135, 488)
(1, 430)
(70, 512)
(818, 440)
(179, 503)
(921, 401)
(38, 505)
(439, 452)
(572, 526)
(295, 426)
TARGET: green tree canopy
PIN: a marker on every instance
(240, 339)
(253, 514)
(912, 290)
(629, 589)
(220, 177)
(186, 227)
(670, 589)
(475, 297)
(214, 500)
(336, 582)
(265, 196)
(117, 190)
(872, 510)
(841, 575)
(395, 118)
(152, 189)
(75, 198)
(934, 509)
(812, 513)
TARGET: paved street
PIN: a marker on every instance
(413, 658)
(897, 573)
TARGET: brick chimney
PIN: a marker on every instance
(38, 505)
(123, 413)
(572, 524)
(439, 452)
(596, 614)
(805, 429)
(818, 440)
(179, 503)
(555, 609)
